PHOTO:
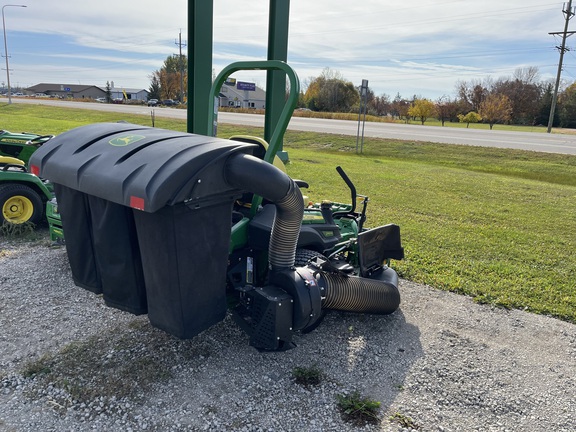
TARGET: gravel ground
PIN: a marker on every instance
(440, 363)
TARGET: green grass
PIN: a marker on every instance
(483, 126)
(45, 120)
(500, 239)
(498, 225)
(358, 409)
(307, 376)
(403, 420)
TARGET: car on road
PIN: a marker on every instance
(169, 102)
(152, 102)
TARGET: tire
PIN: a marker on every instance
(19, 204)
(305, 255)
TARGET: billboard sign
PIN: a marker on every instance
(240, 85)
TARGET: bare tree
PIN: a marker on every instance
(474, 92)
(444, 108)
(380, 105)
(527, 75)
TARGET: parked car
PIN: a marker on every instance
(100, 99)
(152, 102)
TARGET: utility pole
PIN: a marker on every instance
(6, 50)
(568, 13)
(181, 64)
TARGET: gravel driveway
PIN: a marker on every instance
(440, 363)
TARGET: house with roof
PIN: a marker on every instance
(64, 91)
(79, 91)
(129, 94)
(238, 94)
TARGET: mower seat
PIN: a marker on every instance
(12, 163)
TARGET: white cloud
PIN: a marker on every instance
(423, 46)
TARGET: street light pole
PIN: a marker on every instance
(6, 50)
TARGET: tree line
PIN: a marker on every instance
(522, 99)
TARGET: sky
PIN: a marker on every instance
(420, 48)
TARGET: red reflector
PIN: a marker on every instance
(35, 169)
(137, 203)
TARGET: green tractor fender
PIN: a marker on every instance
(23, 195)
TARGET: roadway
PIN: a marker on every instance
(540, 142)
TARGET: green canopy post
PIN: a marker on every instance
(200, 39)
(278, 21)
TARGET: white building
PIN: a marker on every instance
(241, 95)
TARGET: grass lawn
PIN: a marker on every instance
(498, 225)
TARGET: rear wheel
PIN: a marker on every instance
(19, 204)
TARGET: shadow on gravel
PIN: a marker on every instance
(370, 353)
(138, 363)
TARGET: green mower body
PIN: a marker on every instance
(21, 145)
(183, 227)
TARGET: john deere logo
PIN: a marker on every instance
(125, 140)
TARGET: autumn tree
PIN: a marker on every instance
(422, 109)
(496, 108)
(471, 117)
(399, 107)
(567, 107)
(331, 92)
(171, 77)
(379, 105)
(447, 109)
(473, 93)
(524, 93)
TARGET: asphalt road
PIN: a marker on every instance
(541, 142)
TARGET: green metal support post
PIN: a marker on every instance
(279, 17)
(200, 39)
